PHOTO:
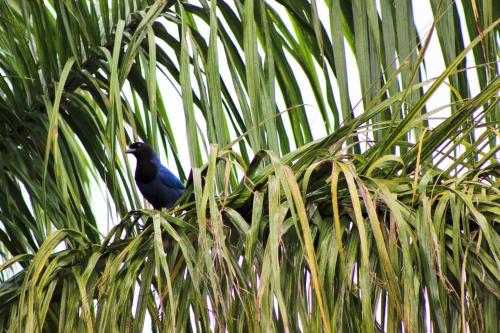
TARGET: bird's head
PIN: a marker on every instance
(140, 150)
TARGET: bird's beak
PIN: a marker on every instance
(130, 151)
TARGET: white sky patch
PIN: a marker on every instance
(434, 62)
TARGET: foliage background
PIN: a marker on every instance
(387, 223)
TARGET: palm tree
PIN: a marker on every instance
(388, 222)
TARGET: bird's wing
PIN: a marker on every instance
(169, 179)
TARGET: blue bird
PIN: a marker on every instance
(157, 184)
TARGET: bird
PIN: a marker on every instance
(157, 183)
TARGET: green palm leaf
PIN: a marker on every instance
(387, 223)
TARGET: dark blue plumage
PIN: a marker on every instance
(157, 184)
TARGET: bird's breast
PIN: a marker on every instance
(145, 172)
